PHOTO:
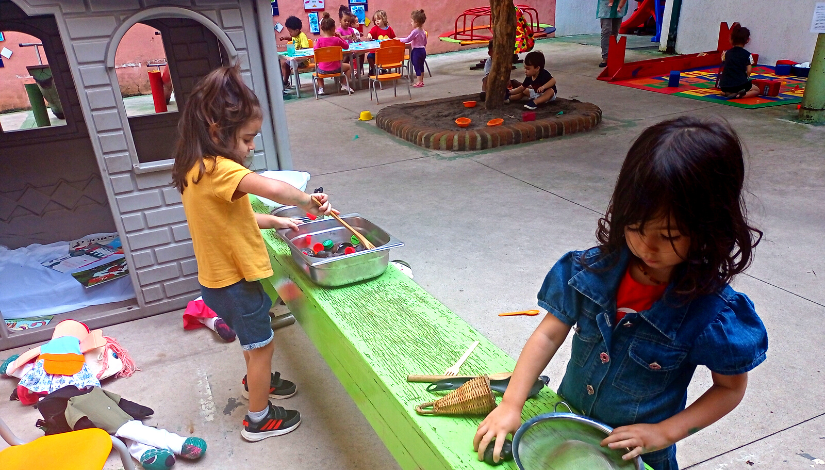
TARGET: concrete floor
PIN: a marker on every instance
(481, 230)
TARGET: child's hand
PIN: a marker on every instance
(324, 209)
(503, 420)
(271, 221)
(638, 438)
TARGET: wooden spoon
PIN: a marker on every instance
(367, 244)
(436, 378)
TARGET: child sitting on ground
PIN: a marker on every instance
(737, 64)
(329, 38)
(418, 41)
(299, 39)
(381, 30)
(539, 86)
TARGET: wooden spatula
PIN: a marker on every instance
(436, 378)
(367, 244)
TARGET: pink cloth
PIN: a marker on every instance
(196, 309)
(27, 397)
(417, 38)
(348, 32)
(328, 41)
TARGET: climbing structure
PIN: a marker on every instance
(474, 26)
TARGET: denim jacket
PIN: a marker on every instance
(638, 371)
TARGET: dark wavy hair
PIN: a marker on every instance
(739, 34)
(692, 171)
(219, 104)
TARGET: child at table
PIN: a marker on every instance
(217, 129)
(348, 20)
(737, 64)
(380, 30)
(539, 86)
(330, 38)
(652, 301)
(299, 39)
(417, 39)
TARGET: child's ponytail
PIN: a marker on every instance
(739, 35)
(213, 113)
(327, 23)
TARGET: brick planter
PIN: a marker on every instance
(402, 121)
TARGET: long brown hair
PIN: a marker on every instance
(217, 107)
(693, 171)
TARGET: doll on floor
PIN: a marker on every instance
(72, 408)
(197, 315)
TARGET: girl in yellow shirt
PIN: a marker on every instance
(219, 122)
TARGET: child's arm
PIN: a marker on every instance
(271, 221)
(547, 85)
(284, 193)
(748, 70)
(720, 399)
(506, 418)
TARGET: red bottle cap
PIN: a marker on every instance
(317, 247)
(308, 240)
(349, 250)
(311, 217)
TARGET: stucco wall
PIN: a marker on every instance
(778, 30)
(579, 17)
(139, 46)
(441, 16)
(14, 74)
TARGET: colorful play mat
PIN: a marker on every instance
(700, 84)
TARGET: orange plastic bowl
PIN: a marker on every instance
(463, 122)
(469, 104)
(495, 122)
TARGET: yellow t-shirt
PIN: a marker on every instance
(225, 236)
(301, 41)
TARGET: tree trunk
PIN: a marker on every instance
(503, 20)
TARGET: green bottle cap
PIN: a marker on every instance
(354, 240)
(328, 244)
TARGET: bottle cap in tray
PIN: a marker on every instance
(328, 244)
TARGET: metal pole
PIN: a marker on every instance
(813, 101)
(36, 49)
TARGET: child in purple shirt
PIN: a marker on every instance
(417, 39)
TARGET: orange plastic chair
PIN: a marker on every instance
(77, 450)
(329, 54)
(396, 43)
(385, 58)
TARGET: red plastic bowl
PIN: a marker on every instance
(463, 122)
(469, 104)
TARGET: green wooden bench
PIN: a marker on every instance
(375, 333)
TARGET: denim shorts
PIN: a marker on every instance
(244, 306)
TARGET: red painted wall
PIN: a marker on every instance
(441, 16)
(14, 74)
(141, 45)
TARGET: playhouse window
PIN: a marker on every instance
(29, 98)
(172, 53)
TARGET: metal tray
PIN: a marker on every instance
(346, 269)
(293, 212)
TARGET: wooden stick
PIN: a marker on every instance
(436, 378)
(367, 244)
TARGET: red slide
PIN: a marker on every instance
(639, 17)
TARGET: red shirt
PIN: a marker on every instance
(377, 31)
(634, 297)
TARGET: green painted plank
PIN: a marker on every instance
(375, 333)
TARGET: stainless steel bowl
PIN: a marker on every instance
(345, 269)
(550, 440)
(292, 212)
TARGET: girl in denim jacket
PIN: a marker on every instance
(652, 301)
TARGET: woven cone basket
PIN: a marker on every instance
(472, 398)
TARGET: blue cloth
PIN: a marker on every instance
(651, 355)
(244, 306)
(604, 10)
(417, 56)
(62, 345)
